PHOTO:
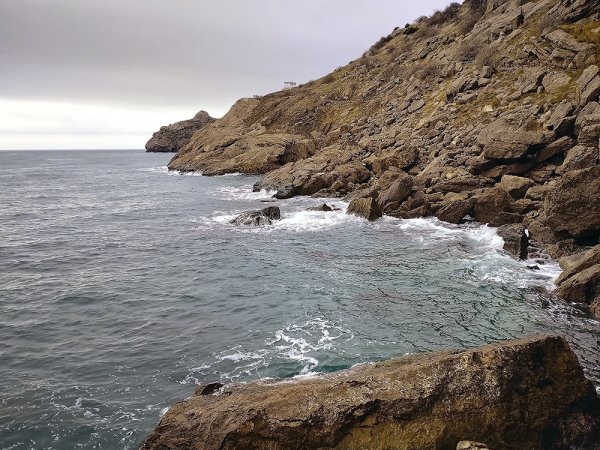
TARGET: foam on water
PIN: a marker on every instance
(165, 171)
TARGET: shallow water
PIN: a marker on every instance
(123, 284)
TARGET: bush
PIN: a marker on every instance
(449, 14)
(329, 78)
(468, 51)
(430, 70)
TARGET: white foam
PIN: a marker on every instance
(165, 171)
(242, 193)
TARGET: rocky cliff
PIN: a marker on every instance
(488, 109)
(174, 137)
(525, 394)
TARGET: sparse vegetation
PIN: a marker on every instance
(449, 14)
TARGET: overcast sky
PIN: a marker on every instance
(107, 73)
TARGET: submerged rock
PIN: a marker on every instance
(174, 137)
(324, 208)
(258, 218)
(528, 393)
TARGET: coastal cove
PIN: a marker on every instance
(124, 285)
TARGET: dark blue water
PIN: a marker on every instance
(122, 285)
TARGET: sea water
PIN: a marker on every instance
(122, 285)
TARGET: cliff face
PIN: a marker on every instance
(489, 109)
(526, 394)
(174, 137)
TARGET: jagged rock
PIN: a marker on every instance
(490, 203)
(500, 140)
(516, 240)
(588, 85)
(530, 393)
(516, 186)
(324, 208)
(578, 158)
(365, 207)
(174, 137)
(555, 148)
(583, 287)
(587, 125)
(562, 120)
(570, 207)
(398, 191)
(258, 218)
(454, 211)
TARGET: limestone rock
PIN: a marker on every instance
(174, 137)
(470, 445)
(588, 85)
(578, 158)
(531, 393)
(516, 240)
(516, 186)
(367, 208)
(500, 140)
(258, 218)
(571, 205)
(490, 203)
(454, 211)
(399, 190)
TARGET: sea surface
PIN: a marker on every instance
(122, 285)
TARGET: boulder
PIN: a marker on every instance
(258, 218)
(367, 208)
(398, 191)
(579, 157)
(555, 148)
(501, 140)
(517, 187)
(588, 85)
(572, 265)
(454, 211)
(173, 138)
(324, 208)
(516, 240)
(587, 125)
(562, 120)
(583, 287)
(572, 206)
(490, 203)
(528, 393)
(470, 445)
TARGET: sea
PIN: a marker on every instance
(123, 285)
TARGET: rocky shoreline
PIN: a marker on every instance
(528, 394)
(172, 138)
(488, 110)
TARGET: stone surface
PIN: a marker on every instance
(516, 240)
(258, 218)
(173, 138)
(588, 85)
(398, 191)
(367, 208)
(501, 140)
(490, 203)
(516, 186)
(570, 204)
(529, 393)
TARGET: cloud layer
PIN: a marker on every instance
(148, 59)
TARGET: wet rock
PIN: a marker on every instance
(516, 240)
(569, 207)
(531, 393)
(258, 218)
(517, 187)
(454, 211)
(324, 208)
(174, 137)
(588, 85)
(367, 208)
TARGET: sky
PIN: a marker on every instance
(91, 74)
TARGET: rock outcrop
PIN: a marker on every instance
(529, 393)
(174, 137)
(489, 109)
(263, 217)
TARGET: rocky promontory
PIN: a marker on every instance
(487, 110)
(174, 137)
(527, 394)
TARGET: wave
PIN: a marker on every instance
(165, 171)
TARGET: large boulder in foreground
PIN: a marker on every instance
(174, 137)
(528, 394)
